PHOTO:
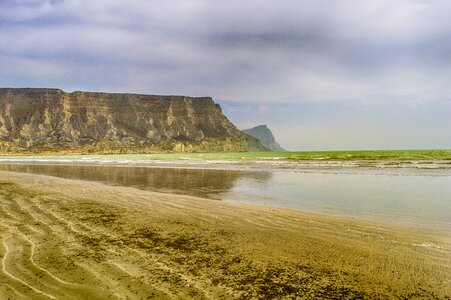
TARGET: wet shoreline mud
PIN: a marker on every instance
(409, 200)
(69, 239)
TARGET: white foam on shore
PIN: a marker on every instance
(418, 168)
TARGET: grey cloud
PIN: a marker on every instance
(252, 50)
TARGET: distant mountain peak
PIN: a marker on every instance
(265, 136)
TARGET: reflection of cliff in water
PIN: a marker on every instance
(196, 182)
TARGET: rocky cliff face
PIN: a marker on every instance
(50, 120)
(265, 136)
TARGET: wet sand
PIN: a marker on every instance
(69, 239)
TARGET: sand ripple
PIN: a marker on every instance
(64, 239)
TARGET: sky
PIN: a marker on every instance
(323, 75)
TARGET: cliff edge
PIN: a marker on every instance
(50, 120)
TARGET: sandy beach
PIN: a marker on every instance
(68, 239)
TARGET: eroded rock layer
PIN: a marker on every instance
(50, 120)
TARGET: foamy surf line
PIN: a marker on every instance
(416, 168)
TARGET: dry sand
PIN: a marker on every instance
(67, 239)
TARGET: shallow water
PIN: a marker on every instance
(412, 199)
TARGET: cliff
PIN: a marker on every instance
(265, 136)
(50, 120)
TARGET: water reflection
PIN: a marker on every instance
(409, 199)
(194, 182)
(412, 199)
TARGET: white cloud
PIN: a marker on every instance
(254, 50)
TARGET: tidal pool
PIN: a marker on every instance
(410, 199)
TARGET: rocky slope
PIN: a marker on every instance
(50, 120)
(265, 136)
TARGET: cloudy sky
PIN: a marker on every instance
(350, 74)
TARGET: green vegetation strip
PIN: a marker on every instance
(371, 155)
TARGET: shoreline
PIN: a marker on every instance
(389, 218)
(396, 168)
(87, 235)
